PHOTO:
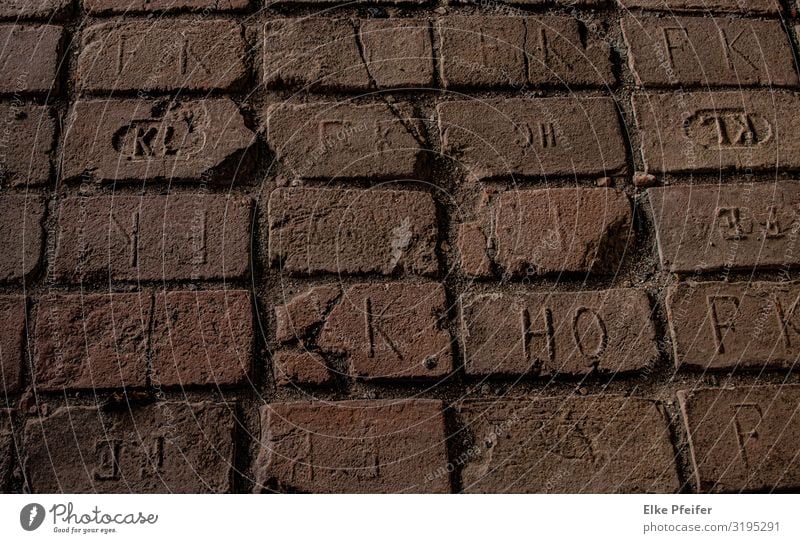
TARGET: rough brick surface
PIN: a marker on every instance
(743, 438)
(153, 238)
(7, 449)
(162, 55)
(735, 325)
(300, 368)
(30, 57)
(25, 159)
(553, 333)
(595, 444)
(718, 227)
(12, 343)
(515, 51)
(137, 140)
(202, 338)
(331, 140)
(533, 137)
(21, 236)
(133, 6)
(577, 230)
(699, 51)
(751, 7)
(34, 9)
(714, 131)
(91, 341)
(352, 231)
(165, 447)
(354, 446)
(298, 317)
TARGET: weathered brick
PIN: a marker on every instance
(343, 140)
(138, 140)
(30, 58)
(28, 143)
(733, 325)
(518, 51)
(297, 318)
(171, 447)
(353, 446)
(162, 55)
(577, 230)
(91, 341)
(134, 6)
(348, 54)
(153, 238)
(34, 9)
(300, 368)
(202, 338)
(13, 327)
(550, 333)
(7, 448)
(352, 231)
(533, 137)
(750, 7)
(743, 439)
(718, 227)
(594, 444)
(21, 236)
(716, 131)
(700, 51)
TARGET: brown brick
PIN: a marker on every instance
(137, 140)
(715, 131)
(552, 333)
(91, 341)
(328, 140)
(153, 238)
(577, 230)
(300, 368)
(162, 55)
(533, 137)
(165, 447)
(743, 439)
(21, 236)
(34, 9)
(515, 51)
(594, 444)
(30, 57)
(326, 53)
(28, 144)
(733, 325)
(751, 7)
(353, 446)
(7, 449)
(700, 51)
(352, 231)
(298, 317)
(13, 325)
(718, 227)
(134, 6)
(202, 338)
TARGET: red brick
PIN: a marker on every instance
(153, 238)
(743, 439)
(166, 447)
(28, 143)
(202, 338)
(717, 227)
(91, 341)
(533, 137)
(7, 449)
(134, 6)
(162, 55)
(300, 368)
(13, 326)
(326, 140)
(301, 314)
(354, 446)
(326, 53)
(352, 231)
(716, 131)
(550, 333)
(735, 325)
(138, 140)
(517, 51)
(700, 51)
(751, 7)
(34, 9)
(21, 236)
(594, 444)
(30, 57)
(577, 230)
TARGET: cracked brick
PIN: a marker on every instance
(300, 368)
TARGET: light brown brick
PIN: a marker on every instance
(750, 7)
(28, 133)
(30, 57)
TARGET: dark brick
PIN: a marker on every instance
(352, 231)
(34, 9)
(301, 314)
(28, 145)
(7, 449)
(743, 439)
(21, 236)
(134, 6)
(153, 238)
(30, 58)
(300, 368)
(165, 448)
(751, 7)
(354, 446)
(595, 444)
(13, 326)
(554, 333)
